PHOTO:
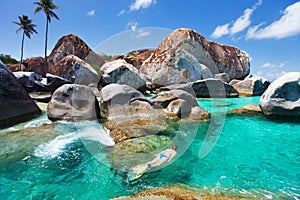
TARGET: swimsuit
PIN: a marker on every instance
(162, 156)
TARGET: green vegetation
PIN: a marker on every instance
(106, 57)
(96, 68)
(27, 26)
(133, 56)
(46, 6)
(7, 59)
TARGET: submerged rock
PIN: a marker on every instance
(16, 145)
(132, 152)
(16, 106)
(208, 88)
(73, 102)
(252, 85)
(182, 192)
(123, 129)
(282, 97)
(178, 56)
(119, 71)
(250, 109)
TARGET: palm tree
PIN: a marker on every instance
(47, 6)
(26, 25)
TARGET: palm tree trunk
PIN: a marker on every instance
(46, 42)
(22, 46)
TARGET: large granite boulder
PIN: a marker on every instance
(36, 64)
(74, 103)
(205, 72)
(223, 77)
(164, 98)
(182, 68)
(72, 45)
(76, 70)
(30, 81)
(54, 82)
(34, 83)
(115, 96)
(119, 71)
(128, 113)
(282, 97)
(16, 106)
(208, 88)
(252, 85)
(16, 67)
(179, 104)
(177, 54)
(137, 57)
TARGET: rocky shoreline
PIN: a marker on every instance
(80, 85)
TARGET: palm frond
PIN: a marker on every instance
(54, 15)
(20, 28)
(37, 9)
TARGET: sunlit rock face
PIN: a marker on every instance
(282, 97)
(177, 59)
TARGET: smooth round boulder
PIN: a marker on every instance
(208, 88)
(164, 98)
(114, 97)
(74, 103)
(179, 107)
(282, 97)
(252, 85)
(121, 72)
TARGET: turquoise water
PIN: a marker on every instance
(255, 156)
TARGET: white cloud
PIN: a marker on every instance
(138, 4)
(237, 25)
(132, 25)
(122, 12)
(287, 25)
(142, 33)
(273, 65)
(271, 74)
(220, 31)
(139, 33)
(91, 12)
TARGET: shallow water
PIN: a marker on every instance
(250, 155)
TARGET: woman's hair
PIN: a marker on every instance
(174, 147)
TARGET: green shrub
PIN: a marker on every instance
(7, 59)
(96, 68)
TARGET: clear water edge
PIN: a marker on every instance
(253, 156)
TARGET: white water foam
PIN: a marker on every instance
(97, 134)
(54, 147)
(37, 123)
(87, 131)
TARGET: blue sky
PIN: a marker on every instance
(269, 31)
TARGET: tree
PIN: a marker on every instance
(47, 6)
(26, 25)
